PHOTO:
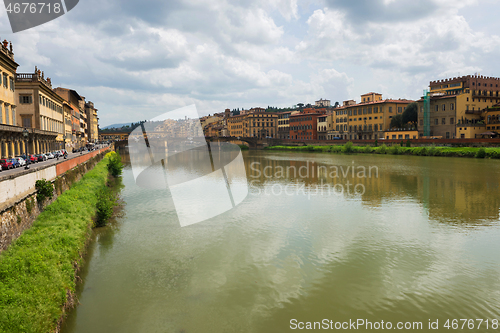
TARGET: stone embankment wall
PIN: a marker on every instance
(18, 203)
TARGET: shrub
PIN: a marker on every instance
(376, 143)
(115, 166)
(104, 206)
(243, 147)
(432, 151)
(408, 143)
(401, 143)
(382, 149)
(348, 148)
(335, 149)
(45, 190)
(367, 149)
(481, 153)
(394, 150)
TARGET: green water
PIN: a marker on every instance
(417, 240)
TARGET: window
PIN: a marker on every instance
(400, 109)
(443, 121)
(437, 107)
(7, 114)
(5, 80)
(452, 106)
(447, 135)
(452, 121)
(27, 122)
(390, 109)
(13, 115)
(25, 99)
(11, 82)
(444, 107)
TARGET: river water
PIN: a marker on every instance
(402, 239)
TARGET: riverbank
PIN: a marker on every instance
(397, 150)
(37, 271)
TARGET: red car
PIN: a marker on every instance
(6, 164)
(33, 158)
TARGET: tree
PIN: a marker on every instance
(410, 115)
(397, 121)
(337, 104)
(300, 105)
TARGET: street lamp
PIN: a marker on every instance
(25, 134)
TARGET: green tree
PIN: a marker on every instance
(410, 115)
(397, 121)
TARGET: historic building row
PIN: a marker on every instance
(37, 118)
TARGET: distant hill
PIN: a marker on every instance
(116, 125)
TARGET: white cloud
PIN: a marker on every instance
(247, 53)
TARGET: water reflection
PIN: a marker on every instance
(397, 252)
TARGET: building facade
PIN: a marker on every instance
(255, 125)
(11, 139)
(77, 105)
(323, 103)
(41, 108)
(370, 118)
(304, 125)
(458, 107)
(92, 122)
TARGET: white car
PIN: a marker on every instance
(22, 161)
(49, 155)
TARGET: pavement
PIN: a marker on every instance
(13, 172)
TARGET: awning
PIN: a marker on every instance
(488, 133)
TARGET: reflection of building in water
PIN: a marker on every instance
(450, 190)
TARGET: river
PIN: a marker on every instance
(403, 239)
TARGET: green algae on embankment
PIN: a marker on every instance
(398, 150)
(37, 271)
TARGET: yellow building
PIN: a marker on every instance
(113, 136)
(401, 134)
(256, 124)
(11, 139)
(458, 106)
(368, 119)
(92, 122)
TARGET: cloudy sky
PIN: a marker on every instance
(137, 59)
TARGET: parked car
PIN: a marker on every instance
(0, 167)
(15, 163)
(49, 155)
(41, 157)
(22, 161)
(33, 158)
(6, 163)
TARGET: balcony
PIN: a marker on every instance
(32, 77)
(473, 111)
